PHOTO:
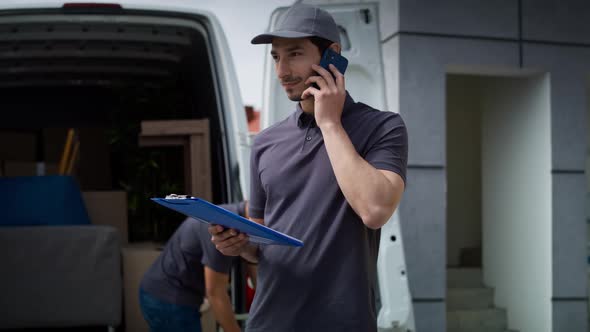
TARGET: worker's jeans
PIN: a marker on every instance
(168, 317)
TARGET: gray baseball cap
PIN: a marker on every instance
(302, 21)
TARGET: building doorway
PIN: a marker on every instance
(499, 216)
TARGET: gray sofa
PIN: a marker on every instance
(60, 276)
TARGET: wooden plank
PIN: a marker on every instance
(206, 164)
(201, 166)
(148, 141)
(174, 127)
(188, 176)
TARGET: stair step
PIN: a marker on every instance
(464, 278)
(480, 330)
(477, 319)
(470, 298)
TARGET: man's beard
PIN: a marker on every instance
(295, 97)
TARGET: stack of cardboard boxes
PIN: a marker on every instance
(19, 150)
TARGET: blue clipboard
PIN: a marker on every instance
(210, 213)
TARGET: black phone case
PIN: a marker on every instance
(331, 57)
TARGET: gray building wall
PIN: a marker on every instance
(422, 42)
(436, 38)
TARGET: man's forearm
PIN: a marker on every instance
(370, 194)
(250, 253)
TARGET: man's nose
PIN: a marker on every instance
(283, 69)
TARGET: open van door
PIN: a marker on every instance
(234, 114)
(359, 34)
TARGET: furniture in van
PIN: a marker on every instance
(193, 136)
(58, 270)
(41, 200)
(60, 276)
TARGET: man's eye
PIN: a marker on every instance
(275, 58)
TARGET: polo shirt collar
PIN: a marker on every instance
(304, 119)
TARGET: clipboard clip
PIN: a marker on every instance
(175, 196)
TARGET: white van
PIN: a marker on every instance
(77, 65)
(64, 63)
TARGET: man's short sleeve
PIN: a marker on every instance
(389, 147)
(257, 199)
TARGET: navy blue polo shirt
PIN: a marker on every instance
(329, 283)
(177, 276)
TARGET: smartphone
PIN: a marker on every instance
(331, 57)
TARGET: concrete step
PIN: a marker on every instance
(469, 298)
(479, 330)
(477, 320)
(464, 278)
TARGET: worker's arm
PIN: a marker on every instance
(216, 290)
(372, 193)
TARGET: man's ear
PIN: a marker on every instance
(336, 47)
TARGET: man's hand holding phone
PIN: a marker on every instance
(329, 98)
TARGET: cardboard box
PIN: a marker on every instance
(26, 168)
(23, 144)
(108, 208)
(137, 258)
(54, 140)
(17, 145)
(94, 166)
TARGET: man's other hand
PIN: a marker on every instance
(229, 242)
